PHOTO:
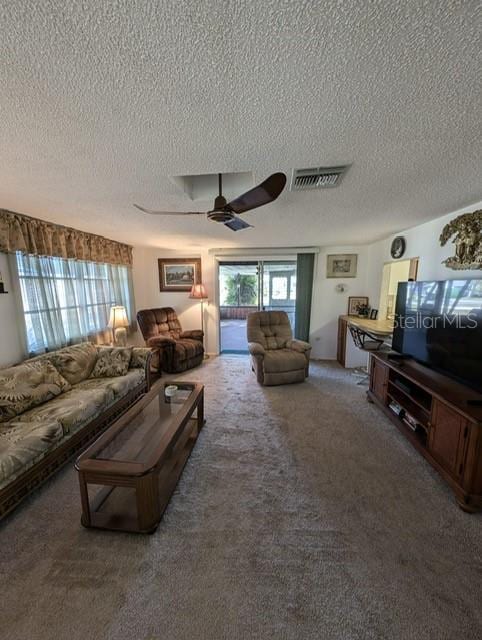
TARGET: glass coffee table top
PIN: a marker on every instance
(143, 434)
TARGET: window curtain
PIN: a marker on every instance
(67, 301)
(39, 238)
(304, 287)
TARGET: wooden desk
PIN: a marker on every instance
(380, 327)
(346, 355)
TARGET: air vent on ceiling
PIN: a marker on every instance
(319, 178)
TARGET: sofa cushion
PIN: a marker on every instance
(73, 409)
(281, 360)
(28, 385)
(139, 357)
(119, 385)
(23, 443)
(111, 362)
(75, 363)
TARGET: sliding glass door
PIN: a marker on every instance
(278, 284)
(238, 296)
(250, 286)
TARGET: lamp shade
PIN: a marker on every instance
(118, 318)
(198, 291)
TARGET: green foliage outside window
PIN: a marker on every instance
(242, 290)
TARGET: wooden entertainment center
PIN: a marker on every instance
(439, 416)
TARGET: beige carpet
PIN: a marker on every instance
(302, 514)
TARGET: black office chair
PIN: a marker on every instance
(366, 341)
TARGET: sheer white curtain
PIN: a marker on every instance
(67, 301)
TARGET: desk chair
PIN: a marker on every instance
(366, 341)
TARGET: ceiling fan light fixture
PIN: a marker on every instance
(220, 215)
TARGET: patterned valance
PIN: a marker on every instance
(40, 238)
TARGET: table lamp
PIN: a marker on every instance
(118, 323)
(199, 293)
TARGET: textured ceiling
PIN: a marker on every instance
(102, 101)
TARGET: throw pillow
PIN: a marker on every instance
(28, 385)
(139, 357)
(75, 363)
(112, 362)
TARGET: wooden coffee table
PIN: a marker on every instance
(128, 474)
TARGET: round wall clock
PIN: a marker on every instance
(398, 247)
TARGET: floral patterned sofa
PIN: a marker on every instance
(53, 405)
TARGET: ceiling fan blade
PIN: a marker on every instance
(264, 193)
(169, 213)
(236, 224)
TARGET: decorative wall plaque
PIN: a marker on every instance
(467, 229)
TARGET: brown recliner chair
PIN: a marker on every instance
(276, 357)
(178, 350)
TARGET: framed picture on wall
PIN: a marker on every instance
(341, 265)
(179, 274)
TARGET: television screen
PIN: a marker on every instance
(439, 323)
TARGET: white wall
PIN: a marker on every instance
(148, 296)
(328, 304)
(326, 307)
(422, 242)
(11, 329)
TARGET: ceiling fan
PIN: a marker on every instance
(225, 212)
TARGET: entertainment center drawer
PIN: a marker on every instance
(448, 437)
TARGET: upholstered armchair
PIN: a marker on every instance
(276, 357)
(178, 350)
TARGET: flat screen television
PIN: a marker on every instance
(439, 324)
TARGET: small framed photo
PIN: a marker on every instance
(179, 274)
(373, 314)
(341, 265)
(356, 304)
